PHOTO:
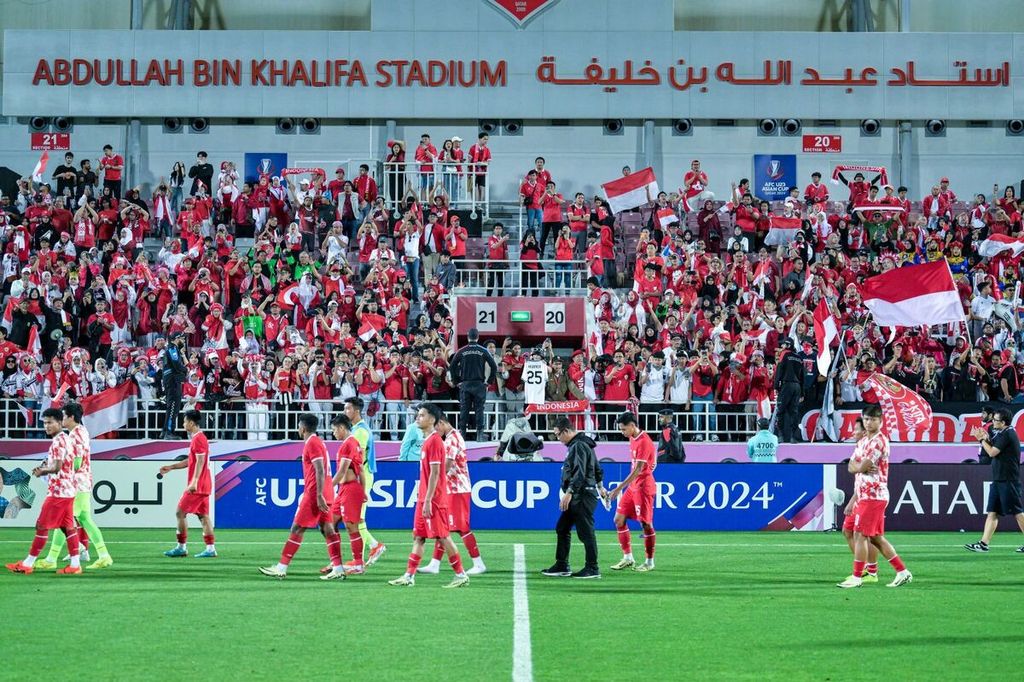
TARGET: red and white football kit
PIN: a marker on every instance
(198, 503)
(872, 488)
(308, 515)
(637, 502)
(348, 504)
(58, 510)
(460, 489)
(436, 524)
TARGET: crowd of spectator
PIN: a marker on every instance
(339, 296)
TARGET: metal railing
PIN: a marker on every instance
(516, 278)
(460, 186)
(240, 420)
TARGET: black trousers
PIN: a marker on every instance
(581, 515)
(472, 395)
(789, 412)
(545, 230)
(496, 280)
(172, 400)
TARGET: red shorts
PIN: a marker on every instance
(308, 515)
(436, 526)
(57, 512)
(348, 503)
(869, 517)
(194, 503)
(636, 505)
(848, 522)
(459, 505)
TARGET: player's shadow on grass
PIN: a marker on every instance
(925, 640)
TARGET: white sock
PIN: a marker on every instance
(628, 557)
(75, 561)
(373, 545)
(281, 567)
(211, 548)
(434, 563)
(478, 561)
(460, 575)
(650, 562)
(29, 561)
(407, 575)
(181, 546)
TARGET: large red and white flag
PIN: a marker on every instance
(629, 191)
(826, 330)
(111, 409)
(904, 412)
(37, 172)
(783, 230)
(997, 243)
(914, 295)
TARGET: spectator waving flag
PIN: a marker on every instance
(367, 331)
(904, 412)
(783, 230)
(826, 330)
(37, 172)
(630, 191)
(997, 243)
(914, 295)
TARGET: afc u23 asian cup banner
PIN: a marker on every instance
(742, 497)
(774, 174)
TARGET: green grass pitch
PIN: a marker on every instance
(719, 606)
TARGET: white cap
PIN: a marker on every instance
(456, 138)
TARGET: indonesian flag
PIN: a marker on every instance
(759, 336)
(913, 296)
(997, 243)
(666, 216)
(763, 273)
(37, 172)
(826, 330)
(560, 407)
(111, 409)
(367, 331)
(727, 207)
(904, 412)
(630, 191)
(783, 230)
(33, 346)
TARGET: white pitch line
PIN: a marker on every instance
(522, 657)
(745, 545)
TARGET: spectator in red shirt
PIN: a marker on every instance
(111, 164)
(935, 206)
(551, 221)
(816, 192)
(479, 159)
(497, 261)
(531, 194)
(426, 156)
(703, 374)
(731, 392)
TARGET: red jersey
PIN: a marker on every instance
(200, 446)
(873, 486)
(642, 450)
(314, 449)
(351, 451)
(433, 453)
(617, 388)
(62, 482)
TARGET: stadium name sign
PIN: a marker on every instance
(314, 73)
(680, 73)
